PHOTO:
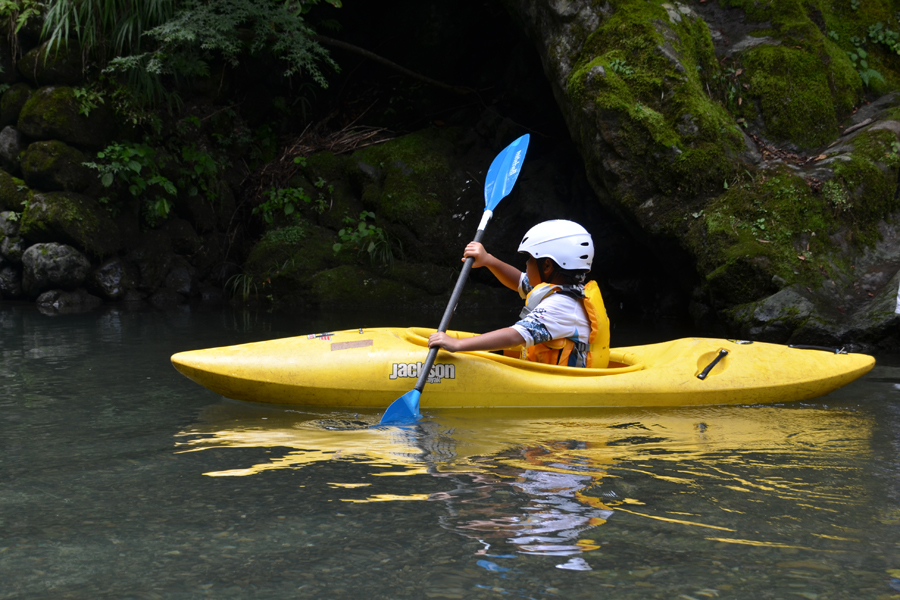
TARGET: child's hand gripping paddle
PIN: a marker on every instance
(501, 178)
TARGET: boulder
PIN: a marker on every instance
(53, 266)
(775, 318)
(55, 166)
(62, 65)
(152, 254)
(71, 218)
(14, 194)
(12, 101)
(12, 144)
(52, 114)
(10, 282)
(113, 279)
(11, 245)
(182, 279)
(60, 302)
(184, 239)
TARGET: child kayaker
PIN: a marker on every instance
(564, 321)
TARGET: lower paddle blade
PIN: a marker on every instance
(404, 409)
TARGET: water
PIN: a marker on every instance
(119, 478)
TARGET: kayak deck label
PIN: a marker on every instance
(348, 345)
(411, 370)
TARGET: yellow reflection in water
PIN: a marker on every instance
(537, 478)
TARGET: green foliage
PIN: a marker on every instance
(293, 234)
(836, 195)
(726, 81)
(286, 202)
(87, 99)
(241, 286)
(366, 237)
(859, 58)
(19, 12)
(880, 34)
(147, 40)
(139, 168)
(620, 67)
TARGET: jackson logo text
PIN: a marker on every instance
(437, 373)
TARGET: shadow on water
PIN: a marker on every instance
(119, 478)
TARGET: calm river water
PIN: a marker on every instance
(119, 478)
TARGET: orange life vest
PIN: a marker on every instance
(557, 352)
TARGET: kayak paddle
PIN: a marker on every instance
(501, 177)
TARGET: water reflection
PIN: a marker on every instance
(543, 483)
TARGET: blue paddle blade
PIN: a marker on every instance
(504, 171)
(404, 409)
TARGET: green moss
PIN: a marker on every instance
(53, 106)
(72, 219)
(794, 94)
(14, 194)
(645, 72)
(413, 173)
(870, 182)
(777, 225)
(351, 285)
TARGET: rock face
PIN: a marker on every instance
(72, 218)
(55, 166)
(12, 143)
(735, 139)
(113, 279)
(51, 113)
(52, 265)
(12, 102)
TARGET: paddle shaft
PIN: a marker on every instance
(451, 306)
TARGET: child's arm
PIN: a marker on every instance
(507, 274)
(493, 340)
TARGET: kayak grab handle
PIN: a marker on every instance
(823, 348)
(722, 354)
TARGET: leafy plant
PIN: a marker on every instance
(87, 99)
(286, 202)
(293, 234)
(837, 196)
(17, 14)
(241, 285)
(620, 67)
(148, 40)
(366, 237)
(137, 167)
(859, 59)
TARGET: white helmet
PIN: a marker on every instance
(567, 243)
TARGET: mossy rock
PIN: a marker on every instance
(802, 93)
(12, 101)
(73, 219)
(14, 195)
(55, 166)
(58, 66)
(52, 113)
(412, 184)
(12, 143)
(350, 285)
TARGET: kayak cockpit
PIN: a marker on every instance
(619, 362)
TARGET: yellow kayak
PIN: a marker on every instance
(373, 367)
